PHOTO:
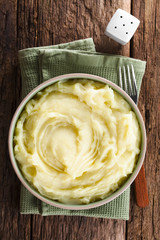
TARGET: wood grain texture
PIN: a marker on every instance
(77, 228)
(144, 223)
(29, 23)
(12, 225)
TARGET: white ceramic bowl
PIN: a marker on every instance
(113, 195)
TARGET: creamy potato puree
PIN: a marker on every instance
(77, 141)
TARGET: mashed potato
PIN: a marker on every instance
(77, 141)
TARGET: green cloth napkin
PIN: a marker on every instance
(42, 63)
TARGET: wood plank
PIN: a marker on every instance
(77, 228)
(144, 223)
(12, 225)
(64, 21)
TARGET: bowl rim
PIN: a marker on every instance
(48, 83)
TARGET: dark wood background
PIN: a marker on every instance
(29, 23)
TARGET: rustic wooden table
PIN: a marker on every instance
(29, 23)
